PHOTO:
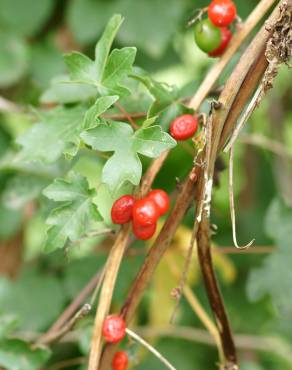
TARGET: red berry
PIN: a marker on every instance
(143, 232)
(145, 212)
(120, 361)
(183, 127)
(114, 329)
(222, 12)
(122, 209)
(226, 36)
(161, 199)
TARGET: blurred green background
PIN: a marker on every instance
(36, 287)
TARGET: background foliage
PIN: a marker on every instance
(41, 148)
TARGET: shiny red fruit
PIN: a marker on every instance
(114, 329)
(161, 199)
(183, 127)
(122, 209)
(143, 232)
(222, 12)
(226, 36)
(145, 212)
(120, 361)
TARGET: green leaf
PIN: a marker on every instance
(107, 72)
(46, 62)
(80, 67)
(118, 67)
(21, 189)
(35, 299)
(101, 105)
(56, 134)
(275, 275)
(152, 141)
(25, 17)
(76, 216)
(8, 322)
(16, 354)
(125, 165)
(104, 44)
(14, 57)
(163, 94)
(60, 91)
(166, 103)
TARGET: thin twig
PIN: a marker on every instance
(56, 335)
(127, 115)
(231, 202)
(151, 349)
(74, 306)
(98, 285)
(68, 363)
(198, 308)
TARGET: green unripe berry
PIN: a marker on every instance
(207, 36)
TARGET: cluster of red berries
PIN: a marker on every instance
(183, 127)
(212, 35)
(113, 331)
(143, 213)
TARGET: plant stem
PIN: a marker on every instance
(112, 268)
(150, 348)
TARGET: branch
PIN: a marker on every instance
(112, 268)
(234, 91)
(73, 307)
(56, 335)
(111, 272)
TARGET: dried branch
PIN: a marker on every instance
(111, 272)
(112, 268)
(73, 307)
(232, 92)
(56, 335)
